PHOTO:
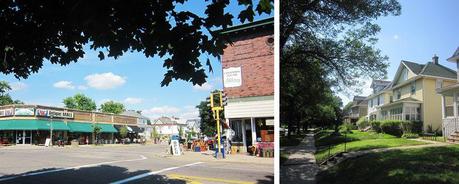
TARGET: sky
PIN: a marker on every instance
(424, 28)
(132, 79)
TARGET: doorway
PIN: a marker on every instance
(24, 137)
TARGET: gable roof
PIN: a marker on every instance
(247, 28)
(134, 114)
(430, 69)
(455, 56)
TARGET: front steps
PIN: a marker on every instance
(454, 137)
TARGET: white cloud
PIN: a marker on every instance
(190, 112)
(132, 100)
(82, 87)
(104, 80)
(396, 37)
(204, 87)
(64, 85)
(156, 112)
(16, 86)
(100, 102)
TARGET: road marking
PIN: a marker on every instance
(69, 168)
(198, 179)
(152, 173)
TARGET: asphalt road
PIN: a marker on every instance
(121, 164)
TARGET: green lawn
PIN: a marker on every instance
(357, 141)
(439, 165)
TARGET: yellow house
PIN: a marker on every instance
(357, 110)
(449, 105)
(412, 96)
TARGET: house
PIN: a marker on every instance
(358, 109)
(381, 95)
(449, 104)
(248, 81)
(143, 123)
(169, 125)
(412, 95)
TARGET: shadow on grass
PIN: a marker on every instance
(268, 180)
(439, 165)
(97, 174)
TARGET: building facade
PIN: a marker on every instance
(33, 124)
(358, 109)
(412, 94)
(166, 126)
(248, 80)
(143, 122)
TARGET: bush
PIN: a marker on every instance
(363, 123)
(411, 126)
(347, 128)
(375, 125)
(392, 127)
(410, 135)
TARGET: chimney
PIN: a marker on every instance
(435, 59)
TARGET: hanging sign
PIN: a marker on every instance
(6, 112)
(232, 77)
(24, 111)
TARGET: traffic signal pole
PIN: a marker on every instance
(216, 114)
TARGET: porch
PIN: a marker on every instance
(450, 114)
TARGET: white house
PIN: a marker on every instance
(169, 125)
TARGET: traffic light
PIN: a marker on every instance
(223, 99)
(210, 100)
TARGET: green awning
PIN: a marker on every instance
(32, 124)
(107, 128)
(88, 127)
(80, 127)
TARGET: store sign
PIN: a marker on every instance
(6, 112)
(53, 113)
(24, 111)
(232, 77)
(270, 122)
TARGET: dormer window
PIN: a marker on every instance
(399, 94)
(404, 75)
(413, 87)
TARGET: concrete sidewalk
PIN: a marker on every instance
(301, 165)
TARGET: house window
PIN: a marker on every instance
(413, 87)
(391, 99)
(379, 100)
(399, 94)
(412, 113)
(404, 75)
(439, 83)
(371, 103)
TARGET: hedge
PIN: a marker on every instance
(397, 127)
(375, 125)
(392, 127)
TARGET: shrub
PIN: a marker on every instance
(411, 126)
(363, 123)
(410, 135)
(347, 128)
(392, 127)
(375, 125)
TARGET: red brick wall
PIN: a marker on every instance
(256, 59)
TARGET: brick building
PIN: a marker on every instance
(248, 80)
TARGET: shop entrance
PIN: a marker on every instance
(24, 137)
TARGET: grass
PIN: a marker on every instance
(439, 165)
(356, 141)
(293, 140)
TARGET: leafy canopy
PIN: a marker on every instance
(5, 98)
(80, 102)
(34, 31)
(208, 124)
(112, 107)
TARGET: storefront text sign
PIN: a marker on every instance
(24, 111)
(232, 77)
(53, 113)
(6, 112)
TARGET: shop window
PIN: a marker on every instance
(236, 126)
(265, 133)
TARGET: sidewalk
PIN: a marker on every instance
(301, 165)
(209, 157)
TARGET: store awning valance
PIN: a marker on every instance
(80, 127)
(130, 128)
(32, 124)
(107, 128)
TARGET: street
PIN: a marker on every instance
(125, 164)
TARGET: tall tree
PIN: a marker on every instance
(5, 98)
(80, 102)
(112, 107)
(339, 34)
(34, 31)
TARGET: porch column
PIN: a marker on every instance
(443, 106)
(403, 112)
(455, 110)
(244, 139)
(254, 131)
